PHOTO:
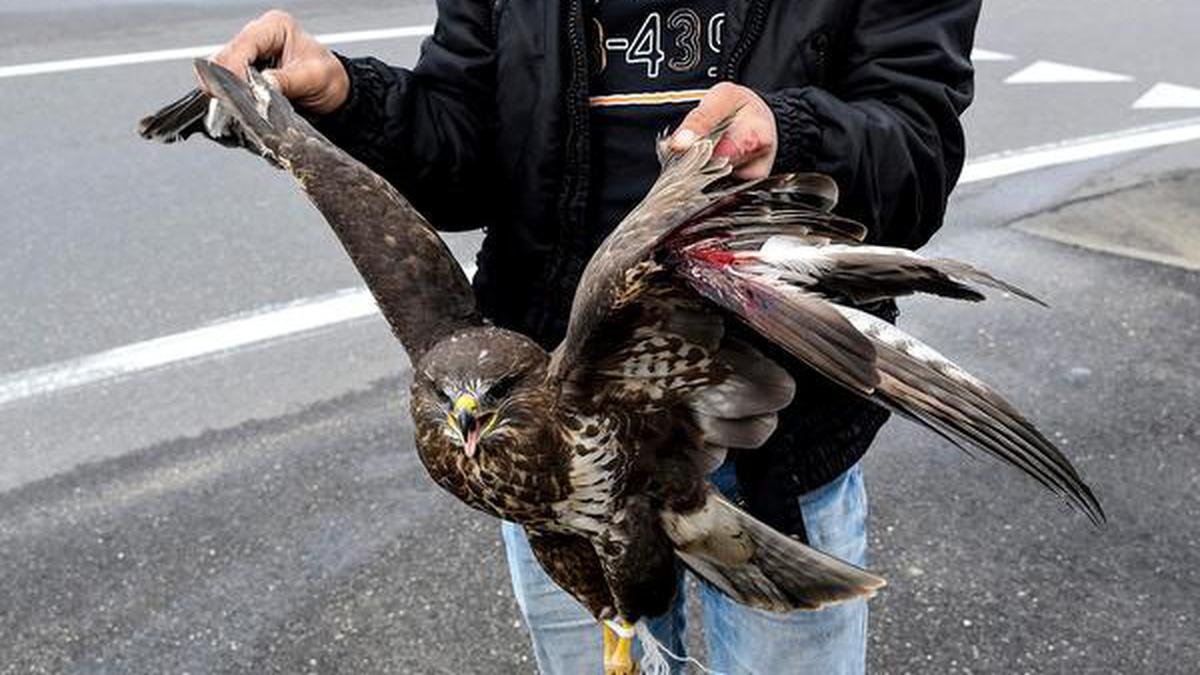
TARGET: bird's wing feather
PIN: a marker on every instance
(923, 385)
(856, 273)
(177, 120)
(688, 201)
(801, 203)
(419, 287)
(615, 273)
(771, 293)
(771, 254)
(801, 323)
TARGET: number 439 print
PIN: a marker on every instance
(687, 36)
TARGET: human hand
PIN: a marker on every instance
(304, 70)
(750, 142)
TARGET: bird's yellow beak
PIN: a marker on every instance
(465, 402)
(462, 418)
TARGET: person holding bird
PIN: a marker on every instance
(644, 384)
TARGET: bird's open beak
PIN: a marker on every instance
(471, 442)
(465, 407)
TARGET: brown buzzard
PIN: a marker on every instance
(600, 448)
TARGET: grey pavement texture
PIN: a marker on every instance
(308, 543)
(262, 511)
(1145, 41)
(1157, 220)
(314, 542)
(988, 575)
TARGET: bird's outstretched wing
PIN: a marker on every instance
(688, 201)
(419, 287)
(771, 254)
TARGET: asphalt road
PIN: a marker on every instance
(262, 510)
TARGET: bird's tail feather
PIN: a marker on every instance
(759, 566)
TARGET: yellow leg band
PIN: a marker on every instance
(618, 648)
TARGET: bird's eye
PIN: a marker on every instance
(441, 393)
(501, 388)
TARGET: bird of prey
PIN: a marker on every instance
(600, 447)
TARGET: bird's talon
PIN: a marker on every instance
(618, 650)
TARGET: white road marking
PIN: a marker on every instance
(1081, 149)
(224, 335)
(1165, 95)
(989, 55)
(200, 51)
(265, 324)
(1050, 72)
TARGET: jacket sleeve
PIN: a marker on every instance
(886, 127)
(428, 129)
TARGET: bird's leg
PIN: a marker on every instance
(610, 642)
(618, 648)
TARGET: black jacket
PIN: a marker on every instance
(490, 129)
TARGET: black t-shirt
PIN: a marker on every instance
(651, 61)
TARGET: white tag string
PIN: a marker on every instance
(653, 662)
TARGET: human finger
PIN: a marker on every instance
(718, 104)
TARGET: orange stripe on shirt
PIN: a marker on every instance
(648, 98)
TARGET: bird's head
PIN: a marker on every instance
(473, 411)
(481, 386)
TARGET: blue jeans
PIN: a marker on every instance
(833, 641)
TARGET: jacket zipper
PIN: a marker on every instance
(496, 20)
(569, 224)
(821, 46)
(756, 19)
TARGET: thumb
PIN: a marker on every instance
(279, 80)
(299, 81)
(717, 105)
(319, 85)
